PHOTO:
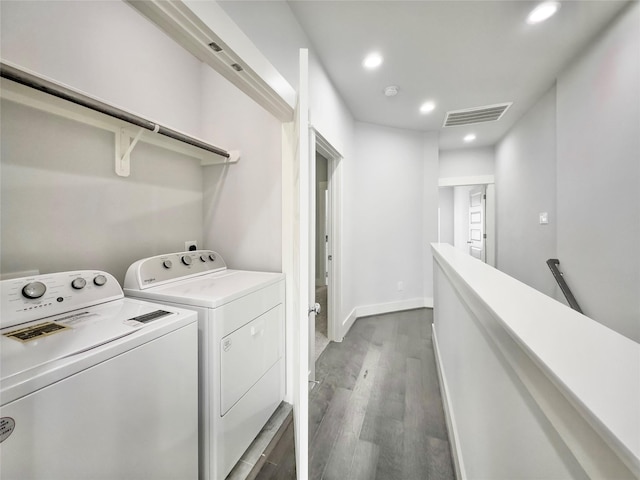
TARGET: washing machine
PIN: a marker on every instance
(94, 385)
(241, 335)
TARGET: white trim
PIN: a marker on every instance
(452, 428)
(349, 321)
(301, 269)
(320, 240)
(490, 225)
(397, 306)
(310, 193)
(471, 180)
(288, 151)
(195, 24)
(335, 331)
(382, 308)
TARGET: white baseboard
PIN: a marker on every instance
(382, 308)
(398, 306)
(454, 439)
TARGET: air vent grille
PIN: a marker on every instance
(469, 116)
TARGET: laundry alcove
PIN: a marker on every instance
(30, 89)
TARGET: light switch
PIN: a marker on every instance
(544, 218)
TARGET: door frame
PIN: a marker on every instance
(480, 190)
(321, 145)
(322, 205)
(490, 208)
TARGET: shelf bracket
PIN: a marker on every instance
(124, 143)
(234, 156)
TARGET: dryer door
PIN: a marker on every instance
(247, 354)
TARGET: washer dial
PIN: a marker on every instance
(79, 283)
(34, 290)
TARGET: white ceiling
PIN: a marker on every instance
(461, 54)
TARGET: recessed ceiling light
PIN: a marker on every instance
(470, 138)
(373, 60)
(427, 107)
(542, 12)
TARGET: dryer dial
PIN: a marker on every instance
(186, 259)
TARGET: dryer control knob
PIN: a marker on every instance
(79, 283)
(167, 264)
(203, 258)
(99, 280)
(186, 259)
(34, 290)
(212, 257)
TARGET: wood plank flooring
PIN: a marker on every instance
(377, 411)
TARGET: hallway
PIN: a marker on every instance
(377, 410)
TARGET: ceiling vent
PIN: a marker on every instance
(469, 116)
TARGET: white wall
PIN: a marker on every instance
(273, 29)
(106, 49)
(63, 207)
(372, 263)
(446, 218)
(466, 162)
(525, 187)
(388, 204)
(461, 217)
(599, 176)
(242, 201)
(582, 137)
(456, 166)
(329, 115)
(430, 162)
(109, 50)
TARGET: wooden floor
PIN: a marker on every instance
(377, 411)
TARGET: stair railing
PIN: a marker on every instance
(559, 276)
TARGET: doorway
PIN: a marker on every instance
(323, 213)
(458, 213)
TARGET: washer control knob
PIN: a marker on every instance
(186, 259)
(212, 257)
(79, 283)
(34, 290)
(99, 280)
(203, 258)
(167, 264)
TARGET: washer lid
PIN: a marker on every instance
(33, 344)
(210, 290)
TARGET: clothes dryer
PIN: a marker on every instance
(241, 335)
